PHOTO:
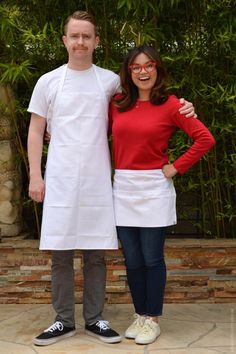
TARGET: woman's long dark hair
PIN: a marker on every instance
(129, 94)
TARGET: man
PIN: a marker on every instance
(72, 101)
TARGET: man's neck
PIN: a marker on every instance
(79, 65)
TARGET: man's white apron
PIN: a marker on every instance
(78, 208)
(144, 198)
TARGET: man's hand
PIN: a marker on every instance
(169, 171)
(187, 109)
(36, 188)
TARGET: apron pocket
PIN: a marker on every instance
(60, 191)
(96, 221)
(63, 160)
(59, 222)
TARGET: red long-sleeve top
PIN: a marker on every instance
(141, 136)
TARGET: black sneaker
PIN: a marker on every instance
(102, 331)
(54, 333)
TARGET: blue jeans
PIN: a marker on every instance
(143, 249)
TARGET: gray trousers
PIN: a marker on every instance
(63, 299)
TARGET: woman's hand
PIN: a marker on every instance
(169, 170)
(187, 109)
(47, 137)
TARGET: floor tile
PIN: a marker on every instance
(186, 329)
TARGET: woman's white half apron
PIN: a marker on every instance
(78, 209)
(144, 198)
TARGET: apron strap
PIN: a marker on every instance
(103, 92)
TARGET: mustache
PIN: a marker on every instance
(80, 47)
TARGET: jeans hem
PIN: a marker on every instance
(152, 315)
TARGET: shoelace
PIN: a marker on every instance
(57, 325)
(148, 327)
(138, 322)
(103, 324)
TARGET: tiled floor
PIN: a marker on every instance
(186, 329)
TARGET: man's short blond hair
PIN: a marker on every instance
(83, 16)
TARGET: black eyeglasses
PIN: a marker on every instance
(148, 67)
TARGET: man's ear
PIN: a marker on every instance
(64, 40)
(97, 41)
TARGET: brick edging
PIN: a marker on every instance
(199, 270)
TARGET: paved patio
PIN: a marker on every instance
(186, 329)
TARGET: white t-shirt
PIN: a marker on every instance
(85, 81)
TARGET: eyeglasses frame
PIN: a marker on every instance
(142, 66)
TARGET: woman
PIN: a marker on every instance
(142, 120)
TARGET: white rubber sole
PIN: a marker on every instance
(110, 340)
(146, 341)
(43, 342)
(130, 336)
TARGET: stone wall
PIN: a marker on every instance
(198, 271)
(10, 190)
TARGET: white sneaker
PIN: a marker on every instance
(149, 332)
(133, 330)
